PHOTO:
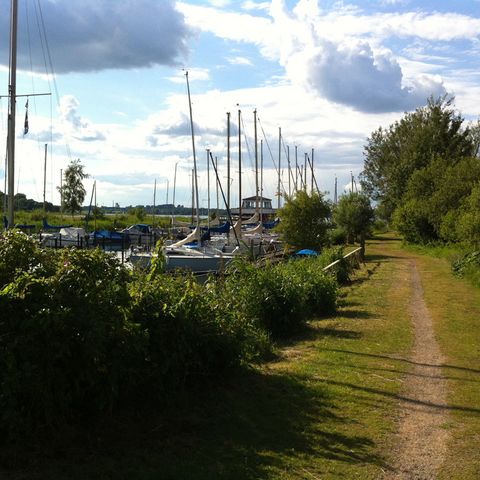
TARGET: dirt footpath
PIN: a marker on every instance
(421, 438)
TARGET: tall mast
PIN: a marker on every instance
(289, 172)
(95, 205)
(256, 161)
(61, 194)
(305, 175)
(261, 180)
(208, 188)
(335, 198)
(195, 182)
(44, 179)
(296, 168)
(174, 188)
(193, 196)
(228, 160)
(12, 92)
(313, 174)
(239, 166)
(154, 200)
(216, 183)
(279, 165)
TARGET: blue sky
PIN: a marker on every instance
(328, 73)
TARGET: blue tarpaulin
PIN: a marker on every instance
(306, 253)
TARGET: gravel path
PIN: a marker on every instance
(421, 438)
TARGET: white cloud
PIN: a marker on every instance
(251, 5)
(77, 126)
(352, 74)
(219, 3)
(239, 61)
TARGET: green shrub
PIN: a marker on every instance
(337, 236)
(281, 297)
(65, 344)
(189, 336)
(21, 253)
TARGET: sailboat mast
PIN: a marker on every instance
(12, 92)
(228, 160)
(239, 166)
(174, 188)
(95, 206)
(193, 196)
(305, 175)
(44, 179)
(261, 180)
(194, 154)
(313, 173)
(296, 168)
(154, 200)
(208, 189)
(256, 160)
(217, 184)
(289, 172)
(279, 164)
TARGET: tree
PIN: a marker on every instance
(468, 222)
(355, 215)
(72, 191)
(434, 198)
(392, 155)
(305, 220)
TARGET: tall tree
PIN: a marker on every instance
(392, 155)
(355, 215)
(72, 190)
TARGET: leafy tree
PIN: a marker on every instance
(355, 215)
(72, 191)
(392, 155)
(305, 220)
(434, 194)
(468, 222)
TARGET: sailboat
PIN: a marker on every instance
(189, 253)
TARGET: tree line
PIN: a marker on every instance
(423, 172)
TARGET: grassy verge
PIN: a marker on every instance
(320, 409)
(455, 307)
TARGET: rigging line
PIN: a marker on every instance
(292, 176)
(32, 78)
(271, 155)
(247, 144)
(52, 71)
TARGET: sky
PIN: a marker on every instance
(325, 73)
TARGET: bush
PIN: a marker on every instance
(337, 236)
(64, 340)
(191, 335)
(80, 334)
(281, 297)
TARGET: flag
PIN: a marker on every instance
(25, 125)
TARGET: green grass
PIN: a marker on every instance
(455, 307)
(322, 408)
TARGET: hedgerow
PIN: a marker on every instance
(80, 334)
